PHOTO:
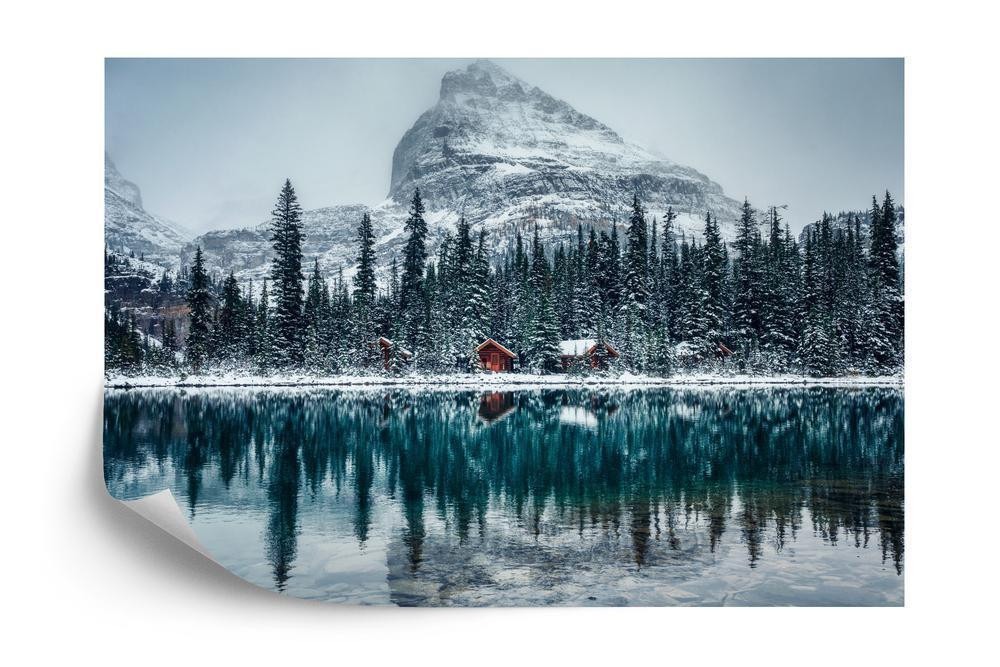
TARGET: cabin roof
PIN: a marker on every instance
(386, 343)
(490, 341)
(579, 347)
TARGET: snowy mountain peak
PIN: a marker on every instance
(503, 151)
(130, 229)
(508, 156)
(118, 184)
(482, 78)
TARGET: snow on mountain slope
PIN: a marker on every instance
(504, 152)
(128, 228)
(506, 155)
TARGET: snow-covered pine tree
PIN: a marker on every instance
(713, 286)
(886, 336)
(543, 347)
(632, 334)
(856, 298)
(748, 285)
(581, 287)
(412, 302)
(248, 322)
(364, 332)
(522, 311)
(199, 301)
(286, 274)
(477, 306)
(777, 322)
(231, 331)
(264, 359)
(813, 343)
(314, 322)
(667, 295)
(467, 293)
(594, 297)
(501, 305)
(336, 300)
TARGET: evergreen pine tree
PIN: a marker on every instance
(412, 304)
(286, 273)
(262, 329)
(667, 295)
(199, 301)
(886, 337)
(230, 330)
(364, 334)
(543, 348)
(713, 274)
(748, 284)
(632, 335)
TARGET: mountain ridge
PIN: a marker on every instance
(130, 229)
(506, 155)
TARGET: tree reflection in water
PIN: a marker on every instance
(648, 463)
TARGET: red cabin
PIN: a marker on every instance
(388, 352)
(584, 351)
(495, 357)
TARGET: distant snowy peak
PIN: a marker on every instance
(506, 155)
(502, 152)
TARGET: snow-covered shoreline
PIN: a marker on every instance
(493, 381)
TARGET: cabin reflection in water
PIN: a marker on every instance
(496, 405)
(659, 496)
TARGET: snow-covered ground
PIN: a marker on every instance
(489, 381)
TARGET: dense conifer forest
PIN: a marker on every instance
(827, 304)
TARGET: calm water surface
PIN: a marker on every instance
(568, 497)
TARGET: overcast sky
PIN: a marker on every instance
(209, 142)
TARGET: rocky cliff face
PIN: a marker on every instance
(507, 156)
(505, 152)
(129, 228)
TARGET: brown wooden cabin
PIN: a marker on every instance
(584, 350)
(495, 357)
(386, 346)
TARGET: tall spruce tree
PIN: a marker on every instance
(777, 319)
(713, 273)
(886, 331)
(364, 333)
(814, 345)
(476, 319)
(264, 358)
(232, 328)
(748, 285)
(668, 277)
(199, 301)
(543, 347)
(631, 333)
(412, 301)
(286, 275)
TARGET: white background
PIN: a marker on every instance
(83, 578)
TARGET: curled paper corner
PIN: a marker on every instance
(161, 510)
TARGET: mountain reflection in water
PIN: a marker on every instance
(646, 496)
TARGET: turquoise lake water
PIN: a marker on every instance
(646, 496)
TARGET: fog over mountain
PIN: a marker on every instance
(495, 149)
